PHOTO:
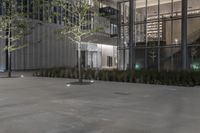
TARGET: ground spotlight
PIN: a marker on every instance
(68, 85)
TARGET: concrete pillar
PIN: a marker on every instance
(131, 34)
(159, 39)
(146, 36)
(184, 35)
(119, 54)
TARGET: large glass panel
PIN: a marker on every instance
(1, 4)
(140, 31)
(123, 8)
(158, 33)
(194, 34)
(152, 33)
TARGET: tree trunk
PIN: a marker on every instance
(79, 62)
(79, 53)
(9, 52)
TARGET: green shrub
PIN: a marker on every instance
(178, 78)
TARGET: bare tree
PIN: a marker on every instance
(81, 27)
(153, 54)
(14, 26)
(194, 52)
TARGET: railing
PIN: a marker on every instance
(193, 37)
(108, 11)
(167, 17)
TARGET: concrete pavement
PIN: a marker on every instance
(47, 105)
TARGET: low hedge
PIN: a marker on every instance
(178, 78)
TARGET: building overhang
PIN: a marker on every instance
(141, 3)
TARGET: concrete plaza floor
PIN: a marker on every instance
(47, 105)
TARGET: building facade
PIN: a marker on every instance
(159, 34)
(137, 34)
(49, 50)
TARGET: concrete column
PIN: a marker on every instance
(159, 39)
(172, 35)
(131, 34)
(119, 62)
(146, 36)
(184, 35)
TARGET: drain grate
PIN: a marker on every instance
(121, 93)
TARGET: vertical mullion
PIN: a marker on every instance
(172, 33)
(158, 35)
(184, 35)
(146, 35)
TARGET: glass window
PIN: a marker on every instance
(109, 61)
